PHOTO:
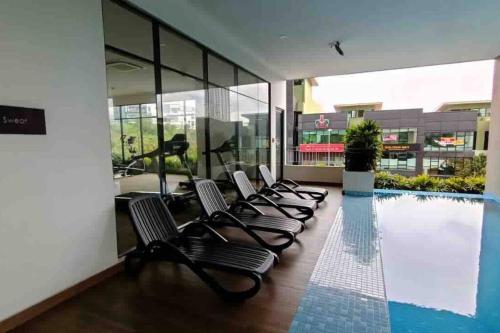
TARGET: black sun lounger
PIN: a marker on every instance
(271, 197)
(160, 239)
(316, 193)
(220, 214)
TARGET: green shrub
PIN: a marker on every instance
(391, 181)
(424, 183)
(363, 146)
(385, 180)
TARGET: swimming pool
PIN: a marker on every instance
(441, 262)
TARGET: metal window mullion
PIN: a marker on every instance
(140, 129)
(121, 133)
(208, 155)
(159, 107)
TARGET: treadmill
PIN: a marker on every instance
(177, 146)
(228, 146)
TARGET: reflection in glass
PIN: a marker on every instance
(183, 112)
(451, 283)
(181, 54)
(227, 113)
(127, 31)
(220, 72)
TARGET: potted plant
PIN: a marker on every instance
(362, 150)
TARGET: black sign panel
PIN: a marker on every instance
(402, 147)
(17, 120)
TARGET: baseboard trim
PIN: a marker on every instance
(45, 305)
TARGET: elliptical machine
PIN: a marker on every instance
(135, 167)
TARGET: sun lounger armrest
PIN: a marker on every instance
(167, 247)
(288, 189)
(245, 204)
(270, 191)
(270, 203)
(187, 228)
(237, 223)
(294, 183)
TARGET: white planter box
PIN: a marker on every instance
(360, 183)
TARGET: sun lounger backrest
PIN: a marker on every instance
(245, 188)
(266, 175)
(151, 219)
(211, 198)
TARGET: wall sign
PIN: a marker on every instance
(18, 120)
(321, 148)
(322, 122)
(449, 141)
(390, 137)
(402, 147)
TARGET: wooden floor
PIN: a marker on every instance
(169, 298)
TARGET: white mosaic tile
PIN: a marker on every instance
(346, 291)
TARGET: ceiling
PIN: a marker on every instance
(375, 35)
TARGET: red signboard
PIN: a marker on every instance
(321, 148)
(390, 137)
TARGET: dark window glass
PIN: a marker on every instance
(248, 84)
(220, 72)
(181, 54)
(127, 31)
(183, 101)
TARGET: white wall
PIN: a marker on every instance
(314, 174)
(56, 191)
(278, 100)
(493, 166)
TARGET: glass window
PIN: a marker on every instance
(131, 111)
(263, 88)
(116, 134)
(263, 135)
(248, 84)
(127, 31)
(181, 54)
(458, 141)
(398, 161)
(248, 109)
(227, 110)
(220, 72)
(183, 105)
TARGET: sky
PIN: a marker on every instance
(421, 87)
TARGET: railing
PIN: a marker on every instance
(295, 157)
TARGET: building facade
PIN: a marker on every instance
(414, 142)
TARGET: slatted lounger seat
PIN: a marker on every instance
(160, 239)
(245, 216)
(270, 197)
(317, 193)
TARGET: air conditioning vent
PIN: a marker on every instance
(123, 67)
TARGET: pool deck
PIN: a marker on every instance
(169, 298)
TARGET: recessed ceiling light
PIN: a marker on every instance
(283, 37)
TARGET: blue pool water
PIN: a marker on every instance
(441, 262)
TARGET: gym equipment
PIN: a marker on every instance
(135, 167)
(228, 146)
(176, 146)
